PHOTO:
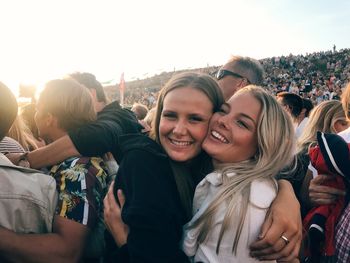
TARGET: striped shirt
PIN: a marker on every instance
(9, 145)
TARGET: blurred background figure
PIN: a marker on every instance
(20, 132)
(27, 113)
(293, 104)
(140, 110)
(303, 116)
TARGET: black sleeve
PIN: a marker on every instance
(96, 138)
(152, 211)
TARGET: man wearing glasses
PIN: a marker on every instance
(237, 73)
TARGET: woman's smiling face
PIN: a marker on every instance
(184, 123)
(232, 134)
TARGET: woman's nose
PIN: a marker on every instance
(180, 128)
(222, 121)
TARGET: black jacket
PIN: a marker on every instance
(102, 135)
(153, 209)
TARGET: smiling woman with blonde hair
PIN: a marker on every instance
(249, 146)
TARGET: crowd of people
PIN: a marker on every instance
(317, 76)
(229, 168)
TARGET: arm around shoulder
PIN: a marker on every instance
(53, 153)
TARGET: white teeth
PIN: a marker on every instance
(180, 143)
(219, 136)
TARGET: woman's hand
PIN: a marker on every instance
(14, 157)
(323, 195)
(281, 234)
(112, 216)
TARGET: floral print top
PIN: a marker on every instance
(81, 185)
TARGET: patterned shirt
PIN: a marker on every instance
(81, 184)
(342, 237)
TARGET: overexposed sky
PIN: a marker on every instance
(44, 39)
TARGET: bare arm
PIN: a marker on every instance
(53, 153)
(65, 244)
(284, 219)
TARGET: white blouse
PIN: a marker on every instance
(262, 194)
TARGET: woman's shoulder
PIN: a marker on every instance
(263, 192)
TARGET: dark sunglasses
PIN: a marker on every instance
(223, 72)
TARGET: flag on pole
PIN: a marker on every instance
(122, 89)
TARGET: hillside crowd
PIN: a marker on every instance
(318, 76)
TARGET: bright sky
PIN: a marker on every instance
(44, 39)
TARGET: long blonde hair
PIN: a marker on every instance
(22, 134)
(275, 135)
(322, 118)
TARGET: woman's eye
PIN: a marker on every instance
(241, 124)
(169, 115)
(196, 119)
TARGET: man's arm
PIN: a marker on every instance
(65, 244)
(55, 152)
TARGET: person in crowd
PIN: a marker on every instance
(320, 194)
(64, 105)
(140, 110)
(27, 113)
(342, 234)
(327, 117)
(100, 103)
(303, 117)
(148, 120)
(330, 156)
(9, 145)
(178, 129)
(112, 121)
(237, 73)
(95, 88)
(22, 134)
(230, 203)
(293, 104)
(27, 198)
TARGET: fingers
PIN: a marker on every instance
(314, 189)
(110, 203)
(266, 225)
(323, 195)
(323, 199)
(271, 246)
(14, 157)
(321, 178)
(280, 249)
(121, 198)
(316, 185)
(293, 257)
